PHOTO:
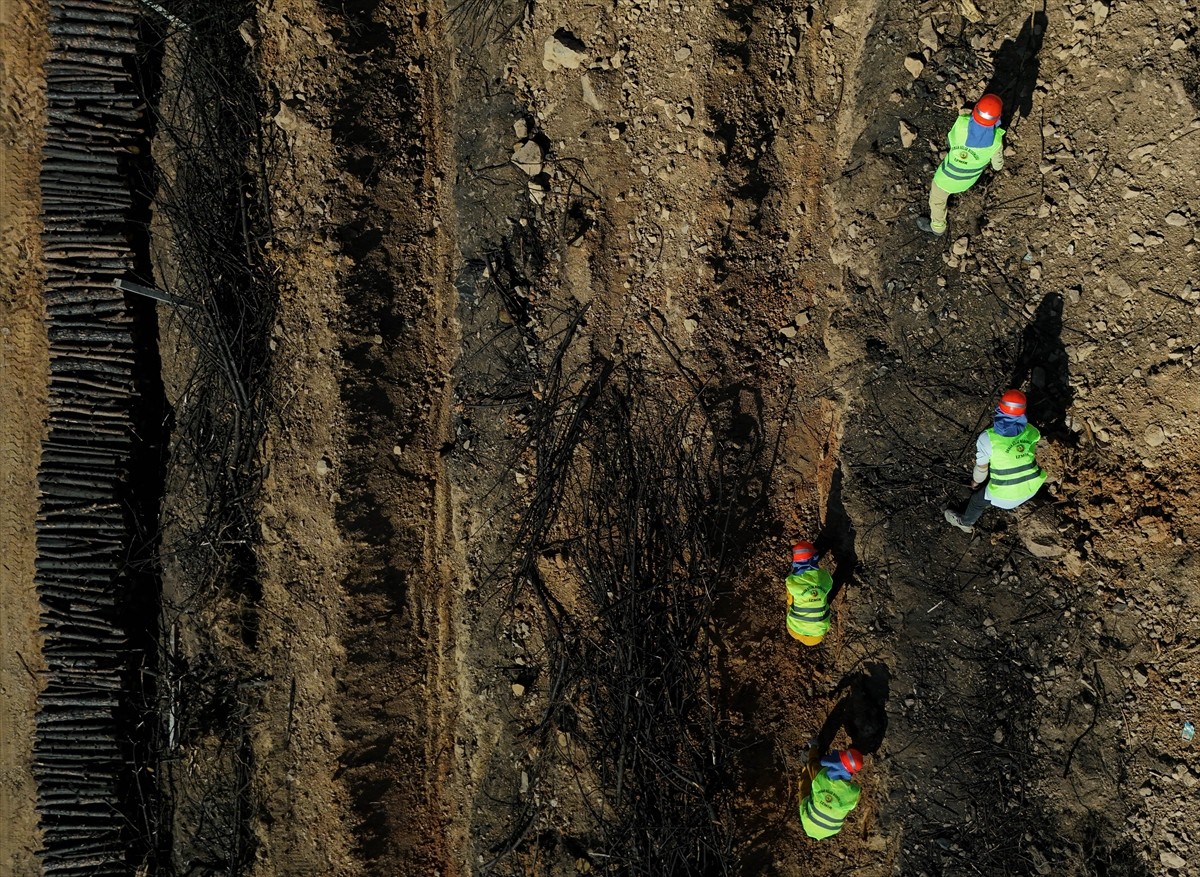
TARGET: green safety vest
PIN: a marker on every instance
(1013, 472)
(808, 606)
(962, 166)
(826, 807)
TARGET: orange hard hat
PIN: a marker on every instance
(852, 760)
(1012, 402)
(987, 110)
(803, 551)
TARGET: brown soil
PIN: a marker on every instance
(724, 210)
(23, 378)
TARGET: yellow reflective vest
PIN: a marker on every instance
(1013, 472)
(962, 166)
(827, 805)
(808, 602)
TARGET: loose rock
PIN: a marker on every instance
(908, 134)
(528, 157)
(563, 51)
(589, 93)
(1171, 860)
(914, 64)
(928, 35)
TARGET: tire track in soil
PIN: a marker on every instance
(398, 703)
(24, 373)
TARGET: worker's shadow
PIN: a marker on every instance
(1015, 67)
(1042, 362)
(862, 712)
(837, 536)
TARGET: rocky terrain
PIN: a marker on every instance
(582, 315)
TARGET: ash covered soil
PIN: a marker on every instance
(586, 313)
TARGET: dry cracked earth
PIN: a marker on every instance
(581, 313)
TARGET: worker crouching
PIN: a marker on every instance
(832, 795)
(808, 589)
(1006, 458)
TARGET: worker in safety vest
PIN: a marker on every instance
(1005, 459)
(808, 590)
(832, 796)
(975, 141)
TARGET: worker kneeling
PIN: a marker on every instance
(832, 796)
(808, 590)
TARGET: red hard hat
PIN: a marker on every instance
(803, 551)
(1012, 402)
(852, 760)
(987, 110)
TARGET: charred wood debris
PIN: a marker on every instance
(111, 714)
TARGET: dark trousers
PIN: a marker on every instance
(975, 507)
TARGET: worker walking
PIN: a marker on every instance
(831, 795)
(808, 590)
(975, 141)
(1005, 457)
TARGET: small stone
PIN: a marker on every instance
(800, 320)
(324, 466)
(1171, 860)
(914, 64)
(563, 51)
(685, 116)
(1154, 436)
(928, 34)
(518, 689)
(908, 134)
(397, 450)
(960, 246)
(1176, 219)
(589, 94)
(1099, 11)
(1178, 44)
(538, 191)
(521, 129)
(788, 331)
(1140, 678)
(286, 119)
(1041, 549)
(528, 157)
(690, 325)
(1035, 273)
(683, 53)
(971, 13)
(614, 133)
